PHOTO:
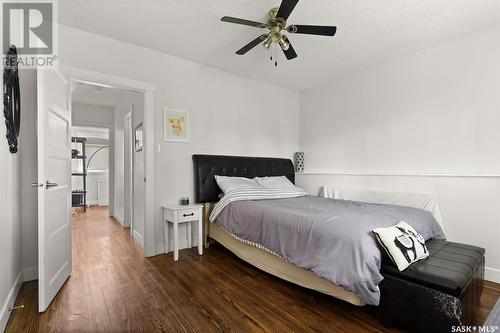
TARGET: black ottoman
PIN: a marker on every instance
(434, 294)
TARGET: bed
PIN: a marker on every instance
(304, 209)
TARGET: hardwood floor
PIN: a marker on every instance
(113, 288)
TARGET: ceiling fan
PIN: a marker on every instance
(277, 25)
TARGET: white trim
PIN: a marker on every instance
(118, 218)
(400, 174)
(30, 273)
(149, 199)
(160, 247)
(148, 90)
(138, 237)
(9, 301)
(129, 195)
(492, 274)
(83, 75)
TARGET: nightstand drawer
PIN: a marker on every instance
(187, 215)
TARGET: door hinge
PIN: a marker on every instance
(145, 179)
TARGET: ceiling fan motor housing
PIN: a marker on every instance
(276, 25)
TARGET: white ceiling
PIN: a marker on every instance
(369, 32)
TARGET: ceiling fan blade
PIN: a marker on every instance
(290, 52)
(236, 20)
(251, 45)
(312, 30)
(286, 8)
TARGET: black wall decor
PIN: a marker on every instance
(11, 99)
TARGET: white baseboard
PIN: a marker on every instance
(9, 301)
(149, 250)
(138, 237)
(492, 274)
(159, 248)
(119, 219)
(30, 273)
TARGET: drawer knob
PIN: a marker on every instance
(186, 215)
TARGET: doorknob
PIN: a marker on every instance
(50, 184)
(35, 184)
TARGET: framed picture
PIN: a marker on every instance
(138, 137)
(175, 125)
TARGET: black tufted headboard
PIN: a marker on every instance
(207, 166)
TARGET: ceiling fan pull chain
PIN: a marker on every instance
(275, 55)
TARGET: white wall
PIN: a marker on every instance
(11, 235)
(130, 101)
(138, 186)
(10, 224)
(229, 114)
(29, 174)
(128, 168)
(119, 169)
(92, 114)
(436, 111)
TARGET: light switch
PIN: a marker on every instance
(158, 148)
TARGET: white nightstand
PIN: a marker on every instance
(177, 214)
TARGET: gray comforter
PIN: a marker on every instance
(332, 238)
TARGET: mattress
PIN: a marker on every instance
(276, 266)
(331, 238)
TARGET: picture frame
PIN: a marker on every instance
(138, 137)
(175, 125)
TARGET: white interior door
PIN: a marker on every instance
(54, 185)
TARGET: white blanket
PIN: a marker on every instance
(425, 201)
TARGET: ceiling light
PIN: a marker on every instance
(284, 44)
(267, 43)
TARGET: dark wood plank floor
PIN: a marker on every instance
(113, 288)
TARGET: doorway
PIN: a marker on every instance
(54, 165)
(90, 172)
(110, 174)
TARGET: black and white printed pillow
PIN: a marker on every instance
(402, 243)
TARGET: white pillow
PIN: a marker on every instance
(402, 243)
(274, 182)
(227, 184)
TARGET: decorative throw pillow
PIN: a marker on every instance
(402, 243)
(227, 184)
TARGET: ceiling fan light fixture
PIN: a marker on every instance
(268, 42)
(284, 44)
